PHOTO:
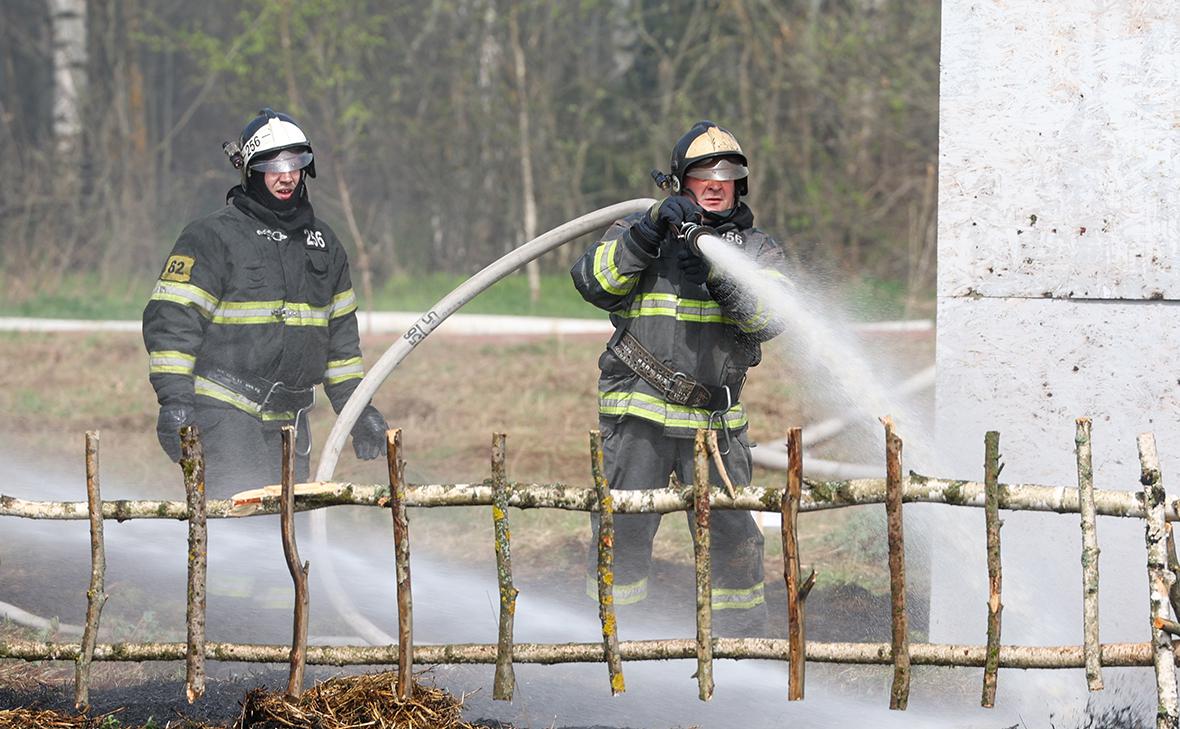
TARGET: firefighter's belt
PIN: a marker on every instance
(676, 387)
(270, 397)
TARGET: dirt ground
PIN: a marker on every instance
(449, 397)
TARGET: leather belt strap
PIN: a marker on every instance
(271, 397)
(677, 387)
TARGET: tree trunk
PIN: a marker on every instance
(68, 19)
(533, 268)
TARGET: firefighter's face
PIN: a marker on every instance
(282, 184)
(712, 195)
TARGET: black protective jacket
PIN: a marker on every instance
(256, 293)
(712, 332)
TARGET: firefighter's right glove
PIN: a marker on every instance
(651, 231)
(172, 419)
(368, 435)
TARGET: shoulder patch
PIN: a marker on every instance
(315, 240)
(178, 268)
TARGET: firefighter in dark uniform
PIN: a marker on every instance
(684, 338)
(253, 308)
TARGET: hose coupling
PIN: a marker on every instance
(691, 233)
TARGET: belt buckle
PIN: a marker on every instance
(676, 390)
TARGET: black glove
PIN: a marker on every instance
(172, 419)
(672, 211)
(368, 435)
(678, 210)
(694, 268)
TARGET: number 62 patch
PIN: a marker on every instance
(178, 268)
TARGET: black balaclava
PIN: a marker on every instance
(255, 200)
(256, 189)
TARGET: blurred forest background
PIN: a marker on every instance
(449, 131)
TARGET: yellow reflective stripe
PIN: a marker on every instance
(247, 312)
(342, 303)
(761, 317)
(606, 271)
(724, 599)
(665, 413)
(756, 321)
(171, 362)
(185, 295)
(627, 594)
(690, 310)
(289, 313)
(305, 315)
(340, 370)
(209, 388)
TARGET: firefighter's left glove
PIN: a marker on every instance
(172, 419)
(694, 267)
(368, 435)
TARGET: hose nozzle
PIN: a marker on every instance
(691, 233)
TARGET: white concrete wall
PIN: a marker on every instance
(1059, 234)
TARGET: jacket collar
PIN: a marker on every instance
(300, 217)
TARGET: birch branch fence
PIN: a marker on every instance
(797, 495)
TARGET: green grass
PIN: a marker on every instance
(89, 297)
(93, 297)
(509, 296)
(78, 296)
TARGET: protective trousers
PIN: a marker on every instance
(242, 452)
(637, 455)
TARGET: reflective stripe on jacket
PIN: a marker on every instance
(712, 333)
(241, 292)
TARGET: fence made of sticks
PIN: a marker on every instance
(795, 496)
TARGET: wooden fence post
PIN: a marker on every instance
(899, 693)
(505, 681)
(1160, 580)
(991, 495)
(298, 654)
(789, 508)
(700, 490)
(1090, 643)
(401, 550)
(606, 559)
(192, 462)
(95, 595)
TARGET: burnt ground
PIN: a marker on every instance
(155, 691)
(448, 399)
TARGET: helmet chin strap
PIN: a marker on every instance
(717, 217)
(714, 217)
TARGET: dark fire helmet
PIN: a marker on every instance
(707, 141)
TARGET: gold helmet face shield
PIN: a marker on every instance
(721, 168)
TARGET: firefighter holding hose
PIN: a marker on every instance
(252, 309)
(684, 337)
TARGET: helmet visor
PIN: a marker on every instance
(285, 160)
(721, 168)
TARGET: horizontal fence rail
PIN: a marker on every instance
(816, 496)
(797, 495)
(1116, 655)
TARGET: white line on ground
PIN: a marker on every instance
(396, 322)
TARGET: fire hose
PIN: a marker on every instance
(397, 352)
